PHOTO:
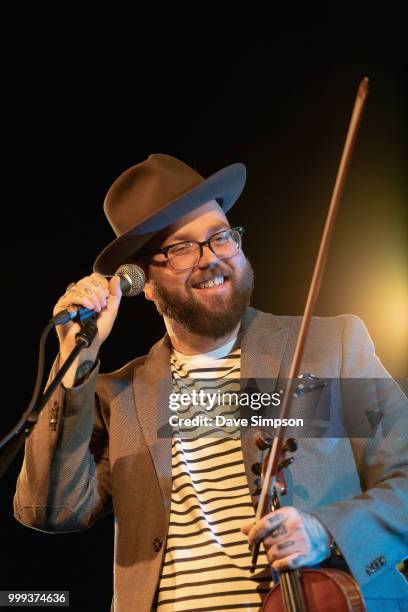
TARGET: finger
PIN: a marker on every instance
(90, 292)
(115, 292)
(94, 290)
(282, 550)
(101, 291)
(73, 297)
(84, 291)
(99, 284)
(276, 536)
(265, 525)
(101, 280)
(280, 547)
(114, 286)
(292, 561)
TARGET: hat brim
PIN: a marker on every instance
(225, 186)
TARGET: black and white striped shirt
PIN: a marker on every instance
(207, 559)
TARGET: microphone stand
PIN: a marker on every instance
(16, 438)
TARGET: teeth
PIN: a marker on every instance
(218, 280)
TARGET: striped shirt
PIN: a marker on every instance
(207, 559)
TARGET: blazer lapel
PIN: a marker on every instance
(263, 348)
(152, 386)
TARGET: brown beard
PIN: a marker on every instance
(198, 318)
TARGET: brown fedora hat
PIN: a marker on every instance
(155, 193)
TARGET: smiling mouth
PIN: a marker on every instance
(217, 281)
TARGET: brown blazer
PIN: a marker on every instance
(105, 454)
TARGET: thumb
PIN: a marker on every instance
(247, 527)
(115, 292)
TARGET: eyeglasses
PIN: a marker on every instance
(186, 255)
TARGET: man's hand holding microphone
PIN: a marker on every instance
(103, 296)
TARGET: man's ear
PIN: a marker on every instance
(148, 290)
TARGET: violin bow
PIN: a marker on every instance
(274, 456)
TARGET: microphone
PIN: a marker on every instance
(132, 280)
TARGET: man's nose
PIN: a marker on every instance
(208, 257)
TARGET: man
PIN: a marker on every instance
(183, 504)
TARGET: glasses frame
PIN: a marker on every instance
(201, 245)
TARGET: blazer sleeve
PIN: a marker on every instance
(371, 530)
(65, 480)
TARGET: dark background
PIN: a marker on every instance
(84, 104)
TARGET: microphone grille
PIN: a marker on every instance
(135, 278)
